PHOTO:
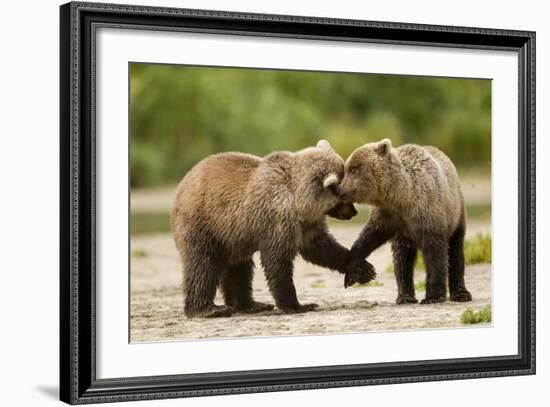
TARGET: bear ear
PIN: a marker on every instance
(324, 144)
(383, 147)
(330, 180)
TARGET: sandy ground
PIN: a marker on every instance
(157, 300)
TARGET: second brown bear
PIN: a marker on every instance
(417, 204)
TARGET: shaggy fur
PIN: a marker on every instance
(231, 205)
(418, 204)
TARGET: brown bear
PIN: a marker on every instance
(417, 204)
(231, 205)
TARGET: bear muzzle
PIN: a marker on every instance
(346, 191)
(343, 211)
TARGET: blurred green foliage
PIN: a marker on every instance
(143, 222)
(181, 114)
(420, 285)
(139, 253)
(478, 249)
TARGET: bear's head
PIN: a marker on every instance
(371, 173)
(317, 172)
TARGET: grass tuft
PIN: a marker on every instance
(475, 317)
(478, 249)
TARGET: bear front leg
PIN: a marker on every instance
(375, 234)
(322, 249)
(279, 273)
(435, 251)
(237, 289)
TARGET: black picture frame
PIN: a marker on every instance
(78, 382)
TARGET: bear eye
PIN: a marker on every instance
(354, 169)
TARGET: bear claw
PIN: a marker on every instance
(256, 307)
(461, 296)
(301, 308)
(216, 311)
(406, 299)
(433, 300)
(361, 272)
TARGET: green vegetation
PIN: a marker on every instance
(475, 317)
(145, 222)
(478, 250)
(369, 284)
(181, 114)
(420, 285)
(139, 253)
(479, 211)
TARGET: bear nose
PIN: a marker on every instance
(349, 211)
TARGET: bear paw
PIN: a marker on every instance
(255, 307)
(359, 273)
(462, 295)
(433, 300)
(406, 299)
(301, 308)
(212, 311)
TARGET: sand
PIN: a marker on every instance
(156, 302)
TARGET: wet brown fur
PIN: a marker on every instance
(417, 204)
(231, 205)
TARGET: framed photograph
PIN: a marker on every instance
(254, 203)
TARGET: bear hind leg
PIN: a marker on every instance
(237, 289)
(457, 286)
(201, 278)
(435, 251)
(404, 257)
